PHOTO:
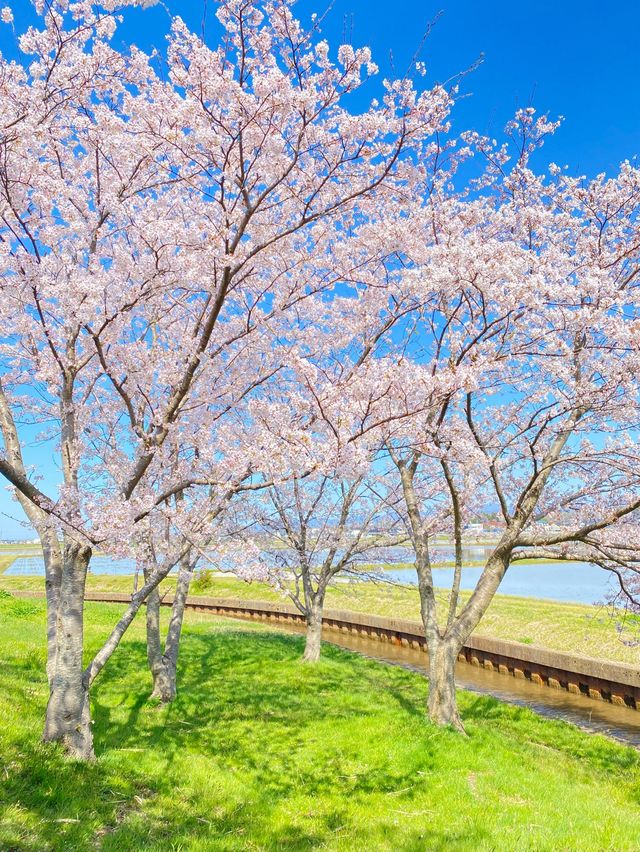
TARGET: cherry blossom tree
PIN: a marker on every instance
(316, 527)
(156, 215)
(173, 533)
(199, 484)
(516, 383)
(166, 531)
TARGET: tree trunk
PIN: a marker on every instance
(164, 665)
(442, 705)
(172, 645)
(155, 658)
(314, 630)
(164, 681)
(53, 581)
(68, 717)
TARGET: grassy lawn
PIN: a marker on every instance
(260, 752)
(575, 628)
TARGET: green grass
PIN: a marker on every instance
(574, 628)
(261, 752)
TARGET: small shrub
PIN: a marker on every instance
(203, 581)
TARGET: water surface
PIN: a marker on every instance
(575, 582)
(33, 566)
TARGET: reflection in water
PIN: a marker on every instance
(621, 723)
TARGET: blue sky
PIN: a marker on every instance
(576, 59)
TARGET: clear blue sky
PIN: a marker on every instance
(577, 59)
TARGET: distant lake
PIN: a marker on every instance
(569, 581)
(576, 582)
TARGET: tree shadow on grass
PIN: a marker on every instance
(242, 673)
(245, 698)
(50, 802)
(248, 703)
(256, 719)
(229, 679)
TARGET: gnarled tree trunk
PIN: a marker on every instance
(68, 717)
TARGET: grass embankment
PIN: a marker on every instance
(574, 628)
(5, 562)
(26, 546)
(262, 752)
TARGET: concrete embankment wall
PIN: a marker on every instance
(617, 683)
(598, 679)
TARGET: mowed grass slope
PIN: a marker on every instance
(262, 752)
(575, 628)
